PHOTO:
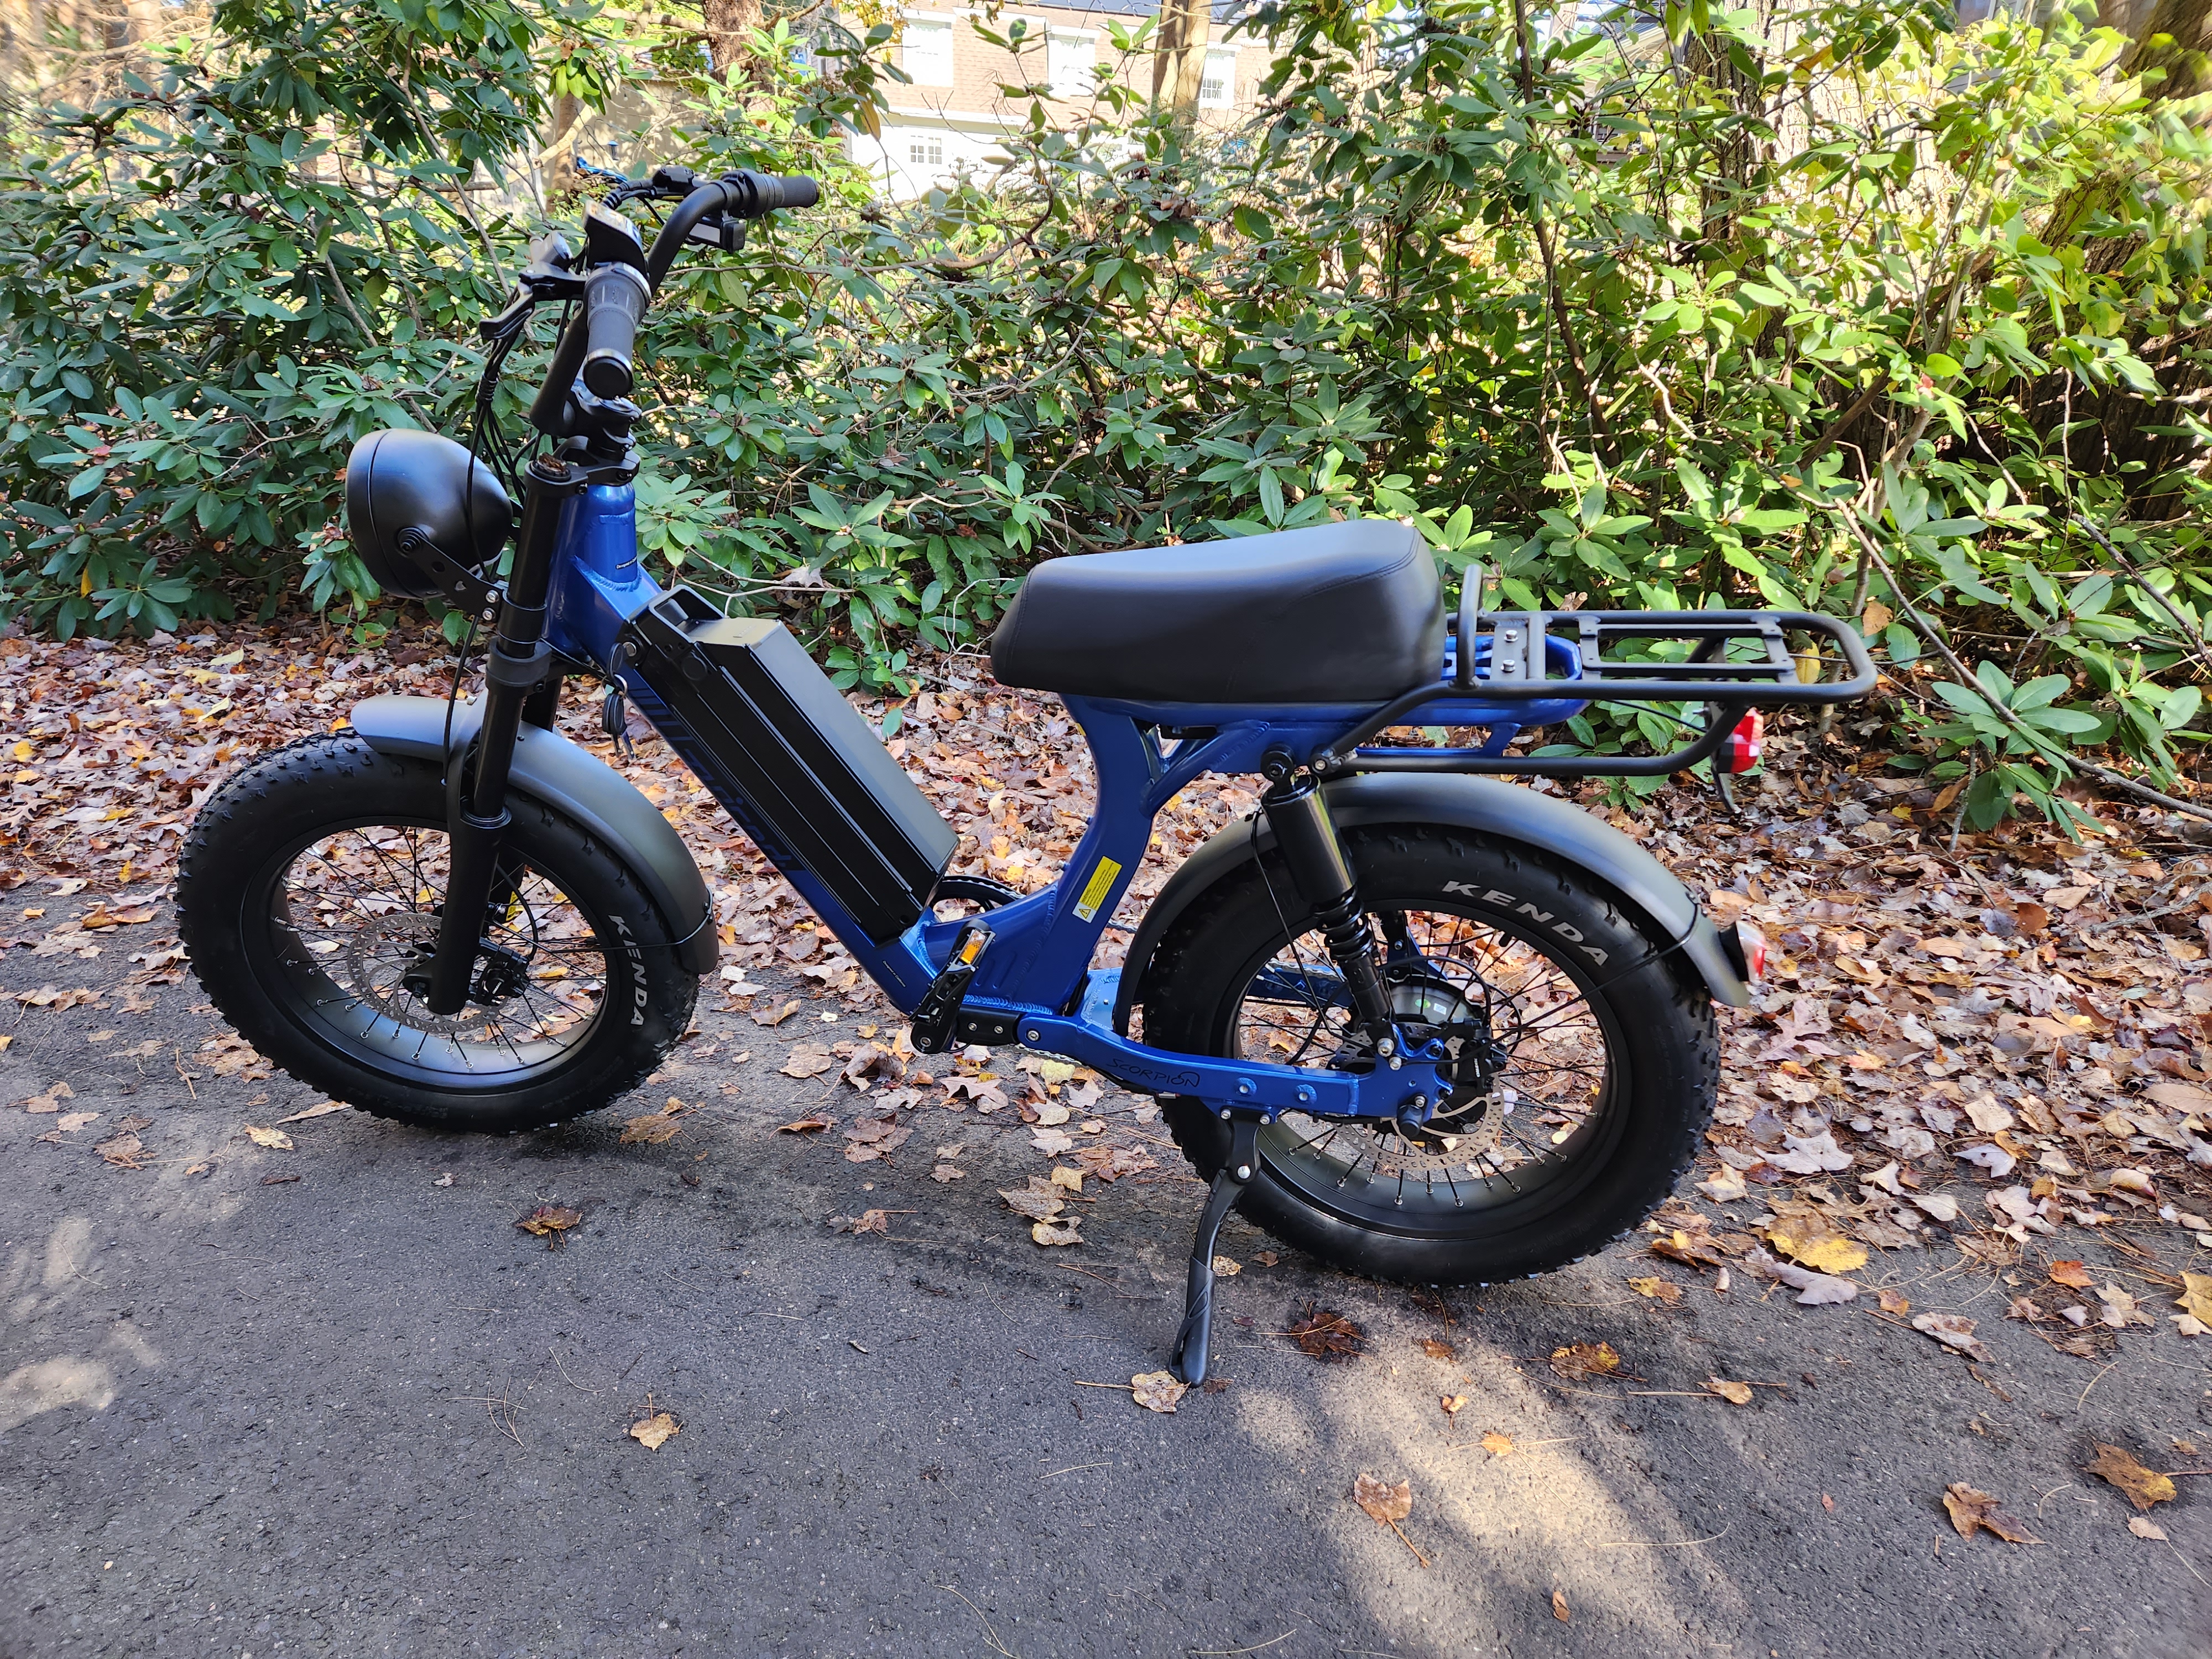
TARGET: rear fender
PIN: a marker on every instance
(550, 769)
(1481, 806)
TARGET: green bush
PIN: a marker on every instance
(1851, 311)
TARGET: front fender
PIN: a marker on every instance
(1481, 806)
(550, 769)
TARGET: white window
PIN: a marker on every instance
(1216, 89)
(926, 150)
(1074, 64)
(926, 51)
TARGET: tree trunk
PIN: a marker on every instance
(1179, 61)
(730, 23)
(2173, 40)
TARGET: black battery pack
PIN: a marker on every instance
(809, 772)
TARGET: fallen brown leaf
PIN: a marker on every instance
(1453, 1404)
(1953, 1331)
(807, 1059)
(2142, 1487)
(2143, 1528)
(655, 1431)
(779, 1016)
(1047, 1233)
(806, 1126)
(1437, 1348)
(122, 1152)
(1663, 1291)
(275, 1140)
(2071, 1274)
(1383, 1502)
(549, 1222)
(2196, 1297)
(1323, 1334)
(1972, 1511)
(1157, 1391)
(873, 1221)
(1496, 1445)
(1894, 1302)
(1736, 1394)
(1560, 1606)
(1585, 1360)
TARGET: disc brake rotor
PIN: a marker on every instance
(380, 972)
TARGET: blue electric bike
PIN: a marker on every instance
(1423, 1024)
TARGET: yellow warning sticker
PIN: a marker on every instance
(1095, 890)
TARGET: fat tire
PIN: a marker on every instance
(267, 810)
(1660, 1007)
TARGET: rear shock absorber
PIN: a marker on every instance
(1298, 814)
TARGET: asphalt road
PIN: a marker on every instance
(359, 1412)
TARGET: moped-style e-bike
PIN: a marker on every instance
(1423, 1024)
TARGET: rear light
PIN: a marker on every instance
(1752, 943)
(1744, 742)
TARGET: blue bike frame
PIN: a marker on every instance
(1037, 975)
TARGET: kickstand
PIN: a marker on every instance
(1191, 1341)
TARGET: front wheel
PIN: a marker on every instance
(308, 903)
(1587, 1062)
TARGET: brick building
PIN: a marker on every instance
(951, 111)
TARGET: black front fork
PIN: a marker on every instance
(1298, 814)
(516, 670)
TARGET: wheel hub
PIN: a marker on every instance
(1465, 1122)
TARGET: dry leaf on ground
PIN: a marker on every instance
(1814, 1289)
(1894, 1302)
(549, 1222)
(873, 1221)
(1736, 1394)
(656, 1430)
(1050, 1234)
(2143, 1528)
(275, 1140)
(944, 1172)
(123, 1152)
(1452, 1404)
(807, 1059)
(806, 1126)
(1437, 1348)
(1384, 1502)
(1953, 1331)
(2142, 1487)
(653, 1128)
(1157, 1391)
(2196, 1297)
(778, 1016)
(1496, 1445)
(1585, 1360)
(1972, 1511)
(1805, 1235)
(50, 1101)
(1321, 1333)
(1226, 1268)
(2072, 1274)
(1038, 1201)
(1663, 1291)
(1560, 1606)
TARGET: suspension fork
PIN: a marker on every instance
(1298, 814)
(514, 669)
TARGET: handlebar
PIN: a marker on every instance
(614, 301)
(599, 345)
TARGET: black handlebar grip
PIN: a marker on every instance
(613, 302)
(795, 192)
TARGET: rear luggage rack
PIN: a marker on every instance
(1531, 668)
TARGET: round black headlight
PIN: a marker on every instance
(409, 492)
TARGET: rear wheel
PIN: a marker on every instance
(309, 903)
(1586, 1058)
